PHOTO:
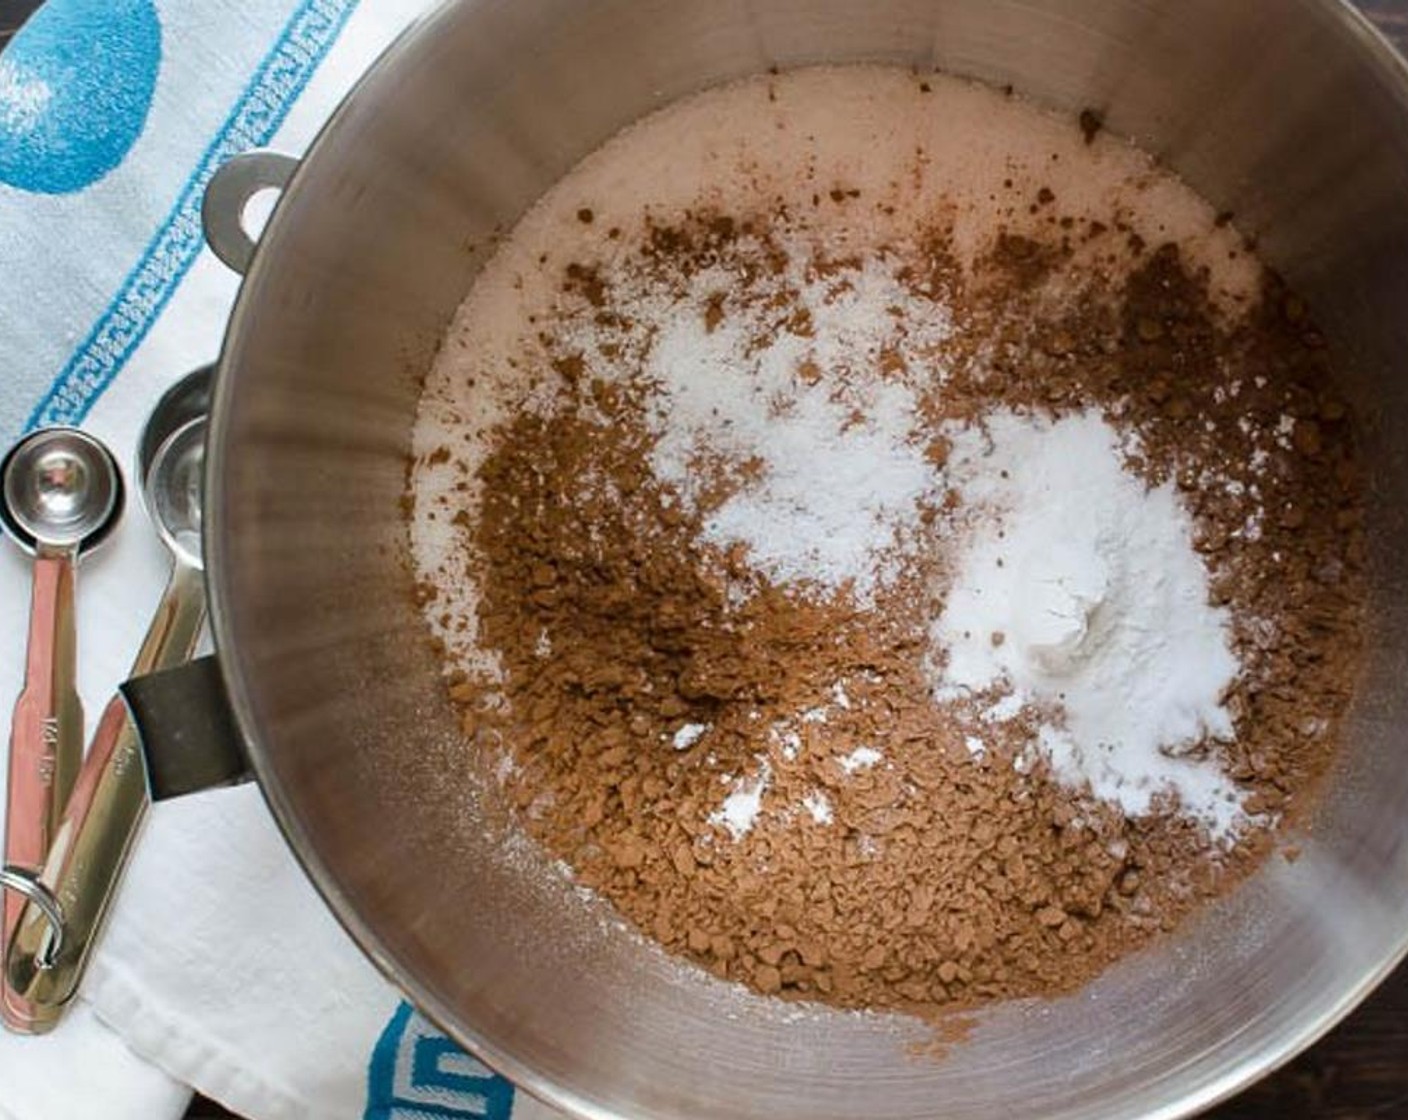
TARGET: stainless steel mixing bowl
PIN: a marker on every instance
(1292, 113)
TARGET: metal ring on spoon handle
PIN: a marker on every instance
(20, 882)
(104, 814)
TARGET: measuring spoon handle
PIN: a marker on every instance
(89, 852)
(46, 737)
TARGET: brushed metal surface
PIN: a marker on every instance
(1290, 113)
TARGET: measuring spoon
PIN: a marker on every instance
(45, 962)
(62, 496)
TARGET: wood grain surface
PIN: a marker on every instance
(1360, 1070)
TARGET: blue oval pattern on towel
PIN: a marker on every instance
(76, 85)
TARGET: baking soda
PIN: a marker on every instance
(1078, 589)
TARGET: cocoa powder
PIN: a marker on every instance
(930, 878)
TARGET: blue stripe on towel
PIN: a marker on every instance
(255, 118)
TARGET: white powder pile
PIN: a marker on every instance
(836, 461)
(778, 140)
(1078, 589)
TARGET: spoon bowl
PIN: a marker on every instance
(62, 490)
(188, 399)
(172, 490)
(171, 464)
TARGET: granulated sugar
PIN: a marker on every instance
(1078, 589)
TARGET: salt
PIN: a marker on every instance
(688, 735)
(1091, 580)
(862, 758)
(818, 806)
(740, 809)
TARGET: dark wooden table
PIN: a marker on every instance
(1358, 1072)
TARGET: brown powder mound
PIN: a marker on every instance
(645, 673)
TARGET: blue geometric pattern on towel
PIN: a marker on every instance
(417, 1073)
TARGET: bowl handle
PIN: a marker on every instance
(222, 210)
(190, 740)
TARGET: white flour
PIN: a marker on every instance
(1078, 588)
(798, 407)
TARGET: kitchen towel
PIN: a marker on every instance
(220, 968)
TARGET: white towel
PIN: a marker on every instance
(220, 968)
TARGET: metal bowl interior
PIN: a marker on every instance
(1292, 114)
